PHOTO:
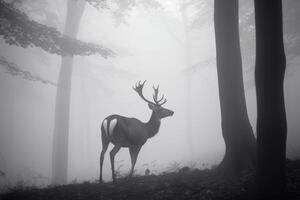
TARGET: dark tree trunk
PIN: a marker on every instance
(271, 117)
(236, 129)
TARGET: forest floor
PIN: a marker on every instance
(183, 184)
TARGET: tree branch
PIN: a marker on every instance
(17, 29)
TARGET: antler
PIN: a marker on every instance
(155, 97)
(139, 89)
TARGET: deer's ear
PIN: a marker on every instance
(151, 106)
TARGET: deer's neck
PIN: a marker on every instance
(153, 125)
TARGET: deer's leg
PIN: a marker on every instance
(134, 151)
(112, 153)
(105, 143)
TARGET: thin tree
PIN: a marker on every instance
(75, 10)
(184, 7)
(269, 80)
(236, 128)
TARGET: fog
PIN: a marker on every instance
(150, 45)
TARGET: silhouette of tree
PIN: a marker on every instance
(271, 117)
(236, 129)
(60, 151)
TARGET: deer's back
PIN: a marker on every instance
(124, 131)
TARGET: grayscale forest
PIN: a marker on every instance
(149, 99)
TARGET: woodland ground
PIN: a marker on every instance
(184, 184)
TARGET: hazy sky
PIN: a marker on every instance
(150, 47)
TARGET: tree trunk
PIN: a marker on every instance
(75, 10)
(187, 44)
(236, 128)
(7, 131)
(271, 117)
(86, 124)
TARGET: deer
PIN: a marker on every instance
(131, 133)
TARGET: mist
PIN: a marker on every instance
(150, 44)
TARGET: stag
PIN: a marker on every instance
(130, 132)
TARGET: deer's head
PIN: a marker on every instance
(156, 104)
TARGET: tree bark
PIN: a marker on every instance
(271, 117)
(75, 10)
(236, 128)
